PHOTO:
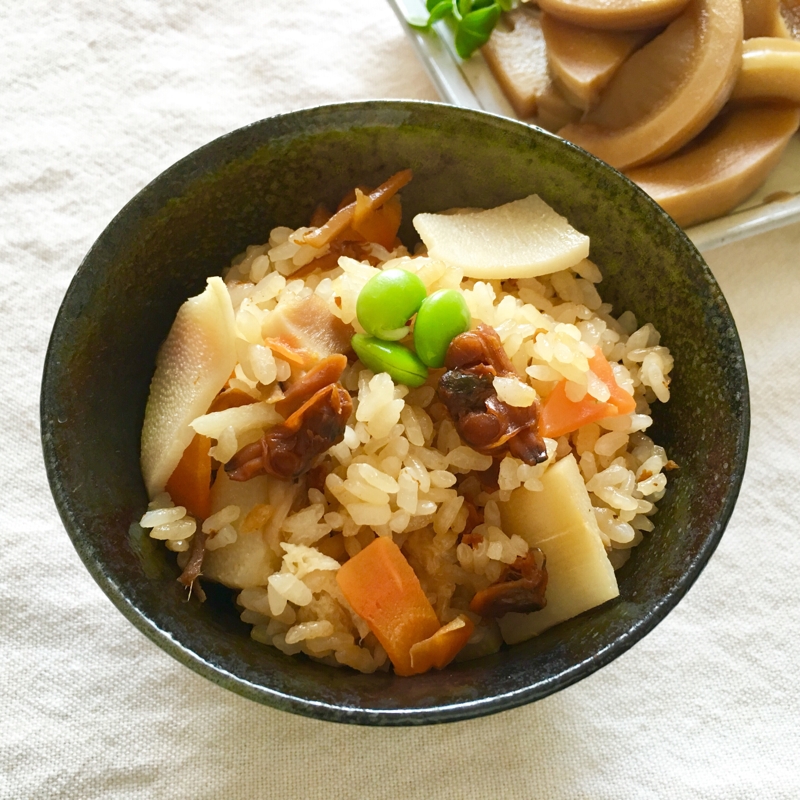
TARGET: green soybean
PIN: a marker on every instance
(441, 317)
(380, 356)
(388, 301)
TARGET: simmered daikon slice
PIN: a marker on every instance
(723, 166)
(192, 366)
(668, 90)
(559, 520)
(520, 239)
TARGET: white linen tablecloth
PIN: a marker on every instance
(97, 99)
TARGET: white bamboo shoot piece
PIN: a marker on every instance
(583, 60)
(668, 90)
(192, 366)
(721, 167)
(521, 239)
(560, 521)
(618, 15)
(249, 561)
(770, 70)
(518, 60)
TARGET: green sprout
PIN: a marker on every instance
(474, 20)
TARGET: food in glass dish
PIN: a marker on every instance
(401, 458)
(695, 101)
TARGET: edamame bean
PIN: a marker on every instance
(388, 301)
(401, 364)
(441, 317)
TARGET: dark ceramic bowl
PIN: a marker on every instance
(190, 221)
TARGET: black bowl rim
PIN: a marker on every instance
(351, 714)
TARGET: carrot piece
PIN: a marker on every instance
(190, 484)
(561, 415)
(383, 589)
(619, 397)
(441, 648)
(379, 225)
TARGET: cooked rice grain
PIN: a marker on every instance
(402, 469)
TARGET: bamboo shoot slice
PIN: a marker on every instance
(518, 60)
(583, 60)
(770, 70)
(667, 91)
(787, 22)
(559, 520)
(773, 18)
(521, 239)
(761, 18)
(554, 111)
(249, 561)
(192, 366)
(305, 326)
(619, 15)
(721, 168)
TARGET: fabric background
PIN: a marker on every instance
(95, 100)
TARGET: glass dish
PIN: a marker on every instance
(470, 84)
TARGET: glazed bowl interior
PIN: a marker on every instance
(191, 220)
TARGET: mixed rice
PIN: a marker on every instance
(402, 470)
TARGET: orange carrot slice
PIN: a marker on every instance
(383, 589)
(441, 648)
(561, 415)
(379, 225)
(619, 397)
(190, 484)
